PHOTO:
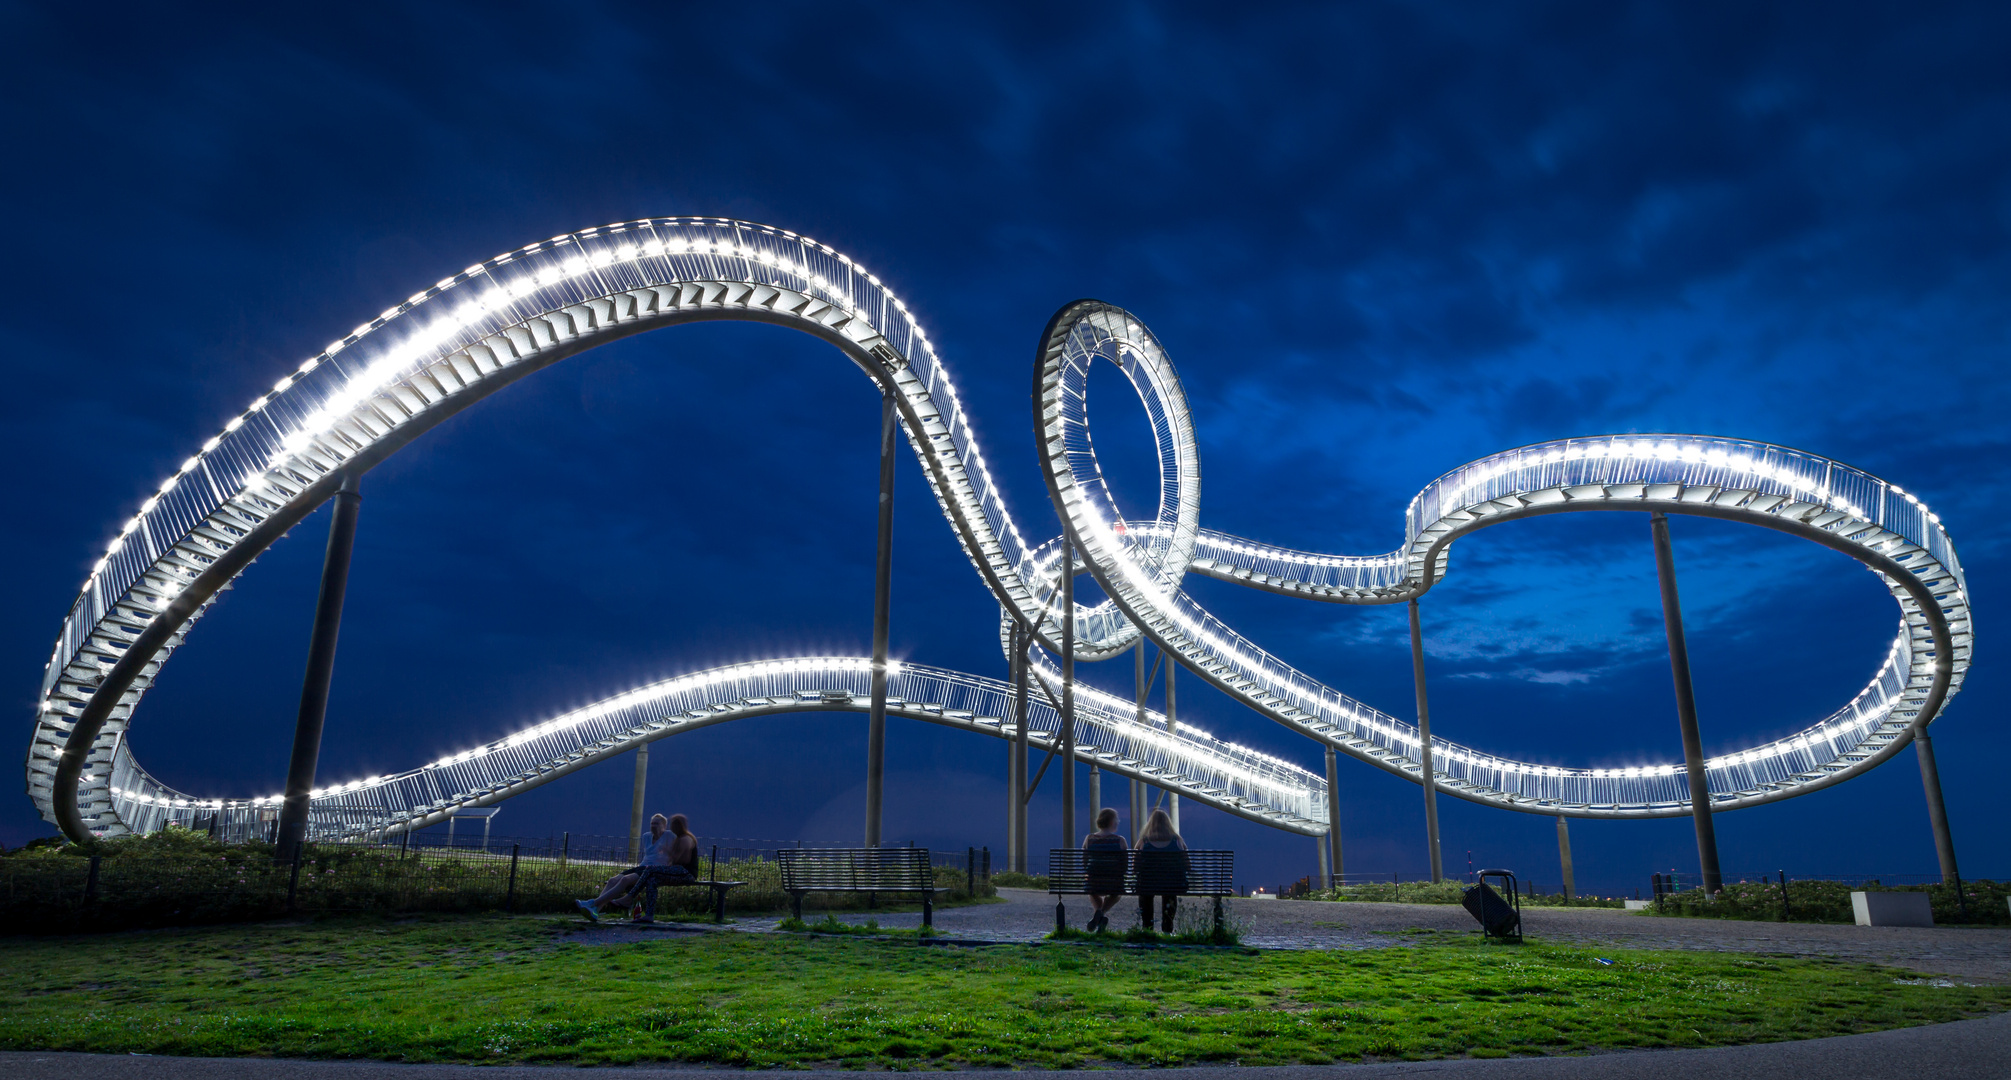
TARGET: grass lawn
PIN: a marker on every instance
(500, 989)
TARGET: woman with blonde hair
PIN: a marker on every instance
(1162, 869)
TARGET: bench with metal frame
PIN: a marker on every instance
(719, 891)
(859, 870)
(1145, 873)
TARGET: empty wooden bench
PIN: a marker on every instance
(866, 870)
(1072, 872)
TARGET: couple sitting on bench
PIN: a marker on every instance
(672, 859)
(1160, 870)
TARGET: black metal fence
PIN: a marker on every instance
(189, 879)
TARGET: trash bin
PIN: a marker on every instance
(1497, 918)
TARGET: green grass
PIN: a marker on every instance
(869, 928)
(498, 989)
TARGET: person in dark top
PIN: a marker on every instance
(1104, 864)
(1162, 869)
(672, 859)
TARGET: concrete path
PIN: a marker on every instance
(1969, 1050)
(1970, 954)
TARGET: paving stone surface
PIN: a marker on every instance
(1972, 954)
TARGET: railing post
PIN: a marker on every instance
(1425, 770)
(565, 849)
(91, 882)
(883, 593)
(1686, 706)
(970, 873)
(510, 898)
(293, 879)
(293, 810)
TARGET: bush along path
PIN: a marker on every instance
(495, 989)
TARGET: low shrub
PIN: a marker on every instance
(176, 877)
(1013, 879)
(1443, 892)
(1829, 901)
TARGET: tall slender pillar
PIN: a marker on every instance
(1334, 819)
(1686, 705)
(1137, 813)
(1172, 729)
(1095, 794)
(1015, 787)
(1937, 810)
(883, 595)
(635, 806)
(320, 673)
(1430, 775)
(1068, 837)
(1564, 855)
(1020, 702)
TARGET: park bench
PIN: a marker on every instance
(711, 881)
(866, 870)
(1144, 873)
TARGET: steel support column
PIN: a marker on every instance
(1095, 794)
(1424, 745)
(320, 673)
(1068, 838)
(1686, 705)
(1172, 729)
(1937, 810)
(1136, 814)
(635, 804)
(1020, 701)
(1564, 855)
(1334, 819)
(883, 594)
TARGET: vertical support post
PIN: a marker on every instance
(1334, 820)
(91, 881)
(1428, 771)
(1013, 786)
(1172, 729)
(1937, 810)
(635, 806)
(1564, 855)
(1326, 877)
(320, 673)
(566, 849)
(1095, 794)
(1686, 705)
(1137, 811)
(1016, 858)
(1068, 838)
(883, 594)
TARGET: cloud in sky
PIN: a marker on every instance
(1379, 240)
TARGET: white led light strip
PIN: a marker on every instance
(1139, 563)
(392, 379)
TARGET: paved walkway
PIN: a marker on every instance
(1972, 954)
(1969, 1050)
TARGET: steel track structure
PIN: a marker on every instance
(395, 377)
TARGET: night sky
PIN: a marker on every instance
(1379, 240)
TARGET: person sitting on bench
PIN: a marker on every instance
(1103, 865)
(1162, 869)
(672, 860)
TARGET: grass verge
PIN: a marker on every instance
(497, 989)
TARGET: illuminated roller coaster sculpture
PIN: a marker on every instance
(397, 376)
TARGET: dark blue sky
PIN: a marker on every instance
(1379, 240)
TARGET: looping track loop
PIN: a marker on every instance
(397, 376)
